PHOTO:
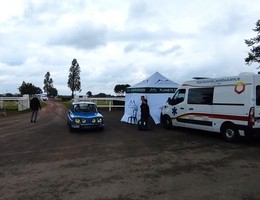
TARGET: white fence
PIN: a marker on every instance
(108, 102)
(22, 102)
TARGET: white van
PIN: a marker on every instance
(228, 105)
(44, 97)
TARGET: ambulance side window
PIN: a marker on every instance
(258, 95)
(178, 97)
(200, 96)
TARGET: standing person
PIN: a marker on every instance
(142, 102)
(145, 114)
(142, 98)
(35, 105)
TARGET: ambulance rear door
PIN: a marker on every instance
(257, 97)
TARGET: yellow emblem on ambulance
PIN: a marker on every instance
(240, 87)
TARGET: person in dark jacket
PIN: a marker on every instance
(35, 105)
(145, 114)
(142, 102)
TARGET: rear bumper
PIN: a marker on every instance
(249, 131)
(252, 132)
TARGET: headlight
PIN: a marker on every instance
(77, 120)
(84, 121)
(99, 120)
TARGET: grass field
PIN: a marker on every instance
(67, 104)
(11, 108)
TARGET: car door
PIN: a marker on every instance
(199, 108)
(178, 108)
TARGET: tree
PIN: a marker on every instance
(101, 95)
(48, 83)
(53, 92)
(74, 77)
(254, 54)
(89, 94)
(121, 89)
(38, 90)
(29, 88)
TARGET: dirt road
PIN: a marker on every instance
(44, 160)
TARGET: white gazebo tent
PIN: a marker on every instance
(156, 89)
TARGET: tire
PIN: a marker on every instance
(230, 133)
(166, 122)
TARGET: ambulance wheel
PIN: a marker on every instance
(167, 122)
(230, 133)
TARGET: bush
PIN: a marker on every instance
(65, 98)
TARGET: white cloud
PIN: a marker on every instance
(82, 35)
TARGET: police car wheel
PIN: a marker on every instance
(230, 133)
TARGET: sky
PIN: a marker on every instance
(122, 41)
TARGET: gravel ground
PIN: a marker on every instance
(44, 160)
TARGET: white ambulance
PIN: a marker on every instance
(228, 105)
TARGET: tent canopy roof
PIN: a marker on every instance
(156, 83)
